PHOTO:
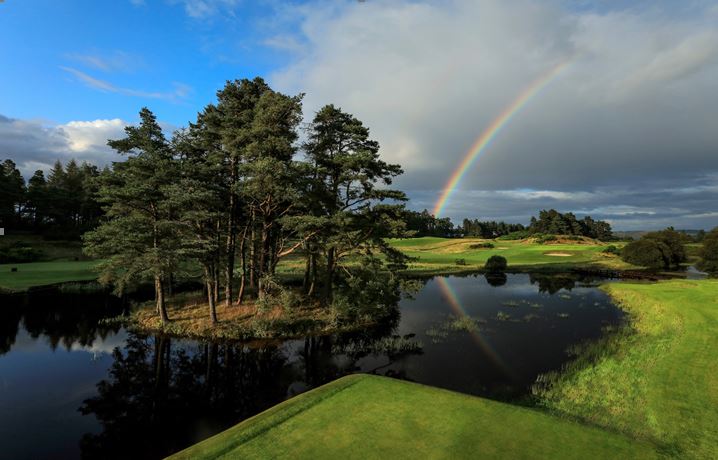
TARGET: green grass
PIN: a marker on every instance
(44, 273)
(364, 416)
(657, 380)
(433, 254)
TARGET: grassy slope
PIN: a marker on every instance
(62, 261)
(44, 273)
(661, 381)
(365, 416)
(439, 254)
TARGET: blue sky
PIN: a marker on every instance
(173, 61)
(626, 134)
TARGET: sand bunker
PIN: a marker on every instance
(558, 254)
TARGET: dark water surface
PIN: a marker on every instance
(71, 388)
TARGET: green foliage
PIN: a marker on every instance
(496, 264)
(460, 261)
(611, 249)
(646, 253)
(425, 224)
(518, 235)
(556, 223)
(489, 229)
(485, 245)
(18, 252)
(139, 238)
(657, 250)
(709, 252)
(543, 239)
(367, 292)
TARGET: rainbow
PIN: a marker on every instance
(493, 130)
(458, 309)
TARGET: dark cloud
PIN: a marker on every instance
(627, 126)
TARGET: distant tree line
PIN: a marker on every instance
(63, 205)
(555, 223)
(230, 195)
(426, 224)
(488, 229)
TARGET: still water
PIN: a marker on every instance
(73, 388)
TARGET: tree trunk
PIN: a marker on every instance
(243, 255)
(160, 296)
(211, 282)
(210, 299)
(231, 244)
(328, 282)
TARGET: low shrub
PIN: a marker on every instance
(460, 261)
(518, 235)
(485, 245)
(611, 250)
(496, 264)
(17, 254)
(542, 239)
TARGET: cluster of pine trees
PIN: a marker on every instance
(62, 205)
(230, 194)
(553, 222)
(425, 224)
(488, 229)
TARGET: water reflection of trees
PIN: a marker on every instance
(65, 320)
(552, 283)
(163, 394)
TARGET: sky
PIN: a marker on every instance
(628, 132)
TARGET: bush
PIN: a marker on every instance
(611, 250)
(460, 261)
(674, 241)
(486, 245)
(646, 253)
(18, 254)
(709, 252)
(656, 250)
(518, 235)
(541, 239)
(496, 264)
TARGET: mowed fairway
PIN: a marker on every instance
(441, 254)
(363, 416)
(659, 382)
(44, 273)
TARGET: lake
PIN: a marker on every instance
(73, 388)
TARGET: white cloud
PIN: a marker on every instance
(635, 109)
(107, 62)
(85, 135)
(180, 91)
(200, 9)
(34, 144)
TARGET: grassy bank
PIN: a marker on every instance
(251, 320)
(44, 273)
(658, 380)
(447, 255)
(364, 416)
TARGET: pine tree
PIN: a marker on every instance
(139, 238)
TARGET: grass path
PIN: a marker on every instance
(363, 416)
(659, 382)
